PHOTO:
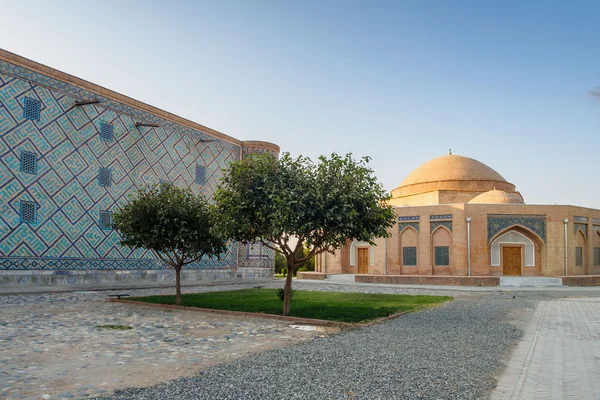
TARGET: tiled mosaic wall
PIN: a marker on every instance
(71, 146)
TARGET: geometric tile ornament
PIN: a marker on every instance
(446, 224)
(442, 216)
(535, 223)
(580, 227)
(404, 225)
(37, 116)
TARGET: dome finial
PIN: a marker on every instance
(450, 151)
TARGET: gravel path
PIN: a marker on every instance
(452, 351)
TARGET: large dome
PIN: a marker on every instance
(452, 168)
(452, 173)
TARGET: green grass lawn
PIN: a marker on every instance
(333, 306)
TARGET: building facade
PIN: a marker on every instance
(458, 217)
(71, 152)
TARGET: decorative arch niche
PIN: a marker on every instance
(441, 237)
(581, 241)
(513, 237)
(409, 239)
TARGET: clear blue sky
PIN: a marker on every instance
(503, 82)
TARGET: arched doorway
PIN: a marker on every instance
(514, 252)
(361, 257)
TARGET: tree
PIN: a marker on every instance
(262, 198)
(595, 94)
(173, 223)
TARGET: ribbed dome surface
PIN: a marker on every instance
(452, 168)
(497, 197)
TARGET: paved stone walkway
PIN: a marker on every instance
(51, 346)
(559, 357)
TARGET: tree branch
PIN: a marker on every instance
(168, 261)
(270, 247)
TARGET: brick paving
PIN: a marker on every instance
(559, 356)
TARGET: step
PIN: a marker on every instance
(340, 277)
(530, 281)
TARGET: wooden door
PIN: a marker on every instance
(511, 259)
(363, 261)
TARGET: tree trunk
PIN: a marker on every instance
(178, 285)
(287, 296)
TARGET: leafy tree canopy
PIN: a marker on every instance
(262, 198)
(176, 225)
(323, 205)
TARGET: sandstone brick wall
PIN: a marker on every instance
(549, 251)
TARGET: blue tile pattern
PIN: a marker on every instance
(436, 224)
(440, 216)
(67, 200)
(580, 227)
(404, 225)
(500, 222)
(408, 218)
(257, 251)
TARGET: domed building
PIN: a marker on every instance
(459, 217)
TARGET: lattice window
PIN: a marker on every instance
(409, 256)
(200, 174)
(578, 256)
(32, 109)
(28, 212)
(596, 255)
(106, 131)
(442, 255)
(105, 220)
(104, 177)
(28, 162)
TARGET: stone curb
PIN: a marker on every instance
(298, 320)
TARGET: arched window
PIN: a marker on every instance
(513, 237)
